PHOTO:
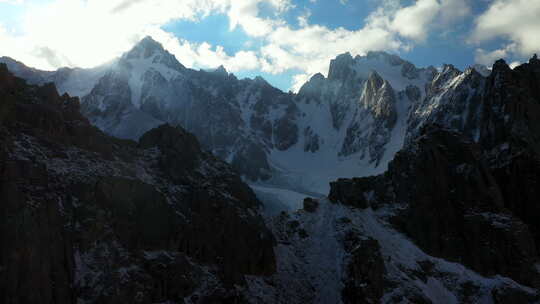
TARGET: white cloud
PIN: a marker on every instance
(415, 21)
(515, 20)
(204, 55)
(86, 33)
(489, 57)
(411, 21)
(514, 64)
(245, 14)
(89, 32)
(310, 48)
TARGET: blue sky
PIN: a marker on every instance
(285, 41)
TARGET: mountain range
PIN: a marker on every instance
(348, 124)
(422, 183)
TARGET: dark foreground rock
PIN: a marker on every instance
(87, 217)
(452, 206)
(365, 274)
(472, 200)
(310, 204)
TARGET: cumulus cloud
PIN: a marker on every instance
(514, 64)
(411, 21)
(488, 57)
(204, 55)
(246, 15)
(310, 48)
(86, 33)
(414, 21)
(514, 20)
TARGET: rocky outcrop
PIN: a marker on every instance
(110, 102)
(454, 207)
(180, 150)
(509, 295)
(510, 133)
(342, 68)
(252, 161)
(87, 217)
(365, 274)
(380, 99)
(453, 99)
(465, 185)
(500, 112)
(310, 204)
(374, 120)
(463, 206)
(363, 192)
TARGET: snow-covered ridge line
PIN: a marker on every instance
(347, 124)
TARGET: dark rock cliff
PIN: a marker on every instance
(475, 203)
(85, 216)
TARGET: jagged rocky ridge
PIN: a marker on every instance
(352, 121)
(465, 187)
(88, 218)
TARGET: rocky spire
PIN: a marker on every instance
(221, 71)
(380, 98)
(148, 48)
(145, 48)
(534, 59)
(341, 67)
(312, 88)
(500, 66)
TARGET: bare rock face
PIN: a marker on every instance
(88, 217)
(377, 106)
(357, 192)
(380, 99)
(341, 68)
(37, 262)
(454, 206)
(109, 105)
(252, 161)
(452, 191)
(470, 181)
(311, 141)
(510, 134)
(365, 274)
(454, 100)
(509, 295)
(310, 204)
(180, 150)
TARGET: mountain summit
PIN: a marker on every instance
(152, 52)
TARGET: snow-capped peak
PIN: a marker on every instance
(150, 50)
(145, 48)
(398, 72)
(341, 67)
(221, 70)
